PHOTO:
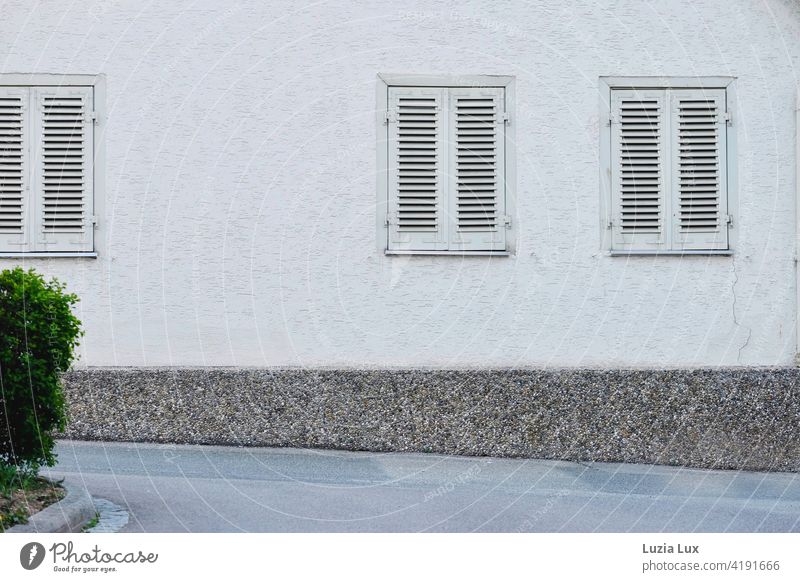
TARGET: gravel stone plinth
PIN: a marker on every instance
(724, 418)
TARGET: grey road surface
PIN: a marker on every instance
(185, 488)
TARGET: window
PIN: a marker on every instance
(445, 165)
(46, 166)
(667, 162)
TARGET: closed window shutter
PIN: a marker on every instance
(417, 206)
(14, 169)
(476, 175)
(63, 168)
(638, 169)
(699, 171)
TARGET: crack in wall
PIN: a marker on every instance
(735, 319)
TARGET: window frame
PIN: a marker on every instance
(606, 85)
(98, 85)
(386, 80)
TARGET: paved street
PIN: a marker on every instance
(169, 488)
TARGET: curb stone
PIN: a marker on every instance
(66, 516)
(112, 517)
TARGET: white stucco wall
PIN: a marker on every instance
(239, 223)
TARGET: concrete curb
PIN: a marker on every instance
(67, 516)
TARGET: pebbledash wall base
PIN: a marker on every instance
(724, 418)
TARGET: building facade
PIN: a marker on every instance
(463, 185)
(236, 197)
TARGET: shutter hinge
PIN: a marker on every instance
(390, 116)
(91, 117)
(388, 220)
(505, 220)
(610, 224)
(729, 220)
(505, 118)
(728, 118)
(93, 220)
(611, 119)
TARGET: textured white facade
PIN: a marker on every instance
(239, 220)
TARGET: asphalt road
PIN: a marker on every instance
(179, 488)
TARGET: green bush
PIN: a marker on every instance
(38, 336)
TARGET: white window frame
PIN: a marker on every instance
(605, 87)
(98, 85)
(385, 81)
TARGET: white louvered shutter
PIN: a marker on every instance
(699, 172)
(14, 169)
(63, 169)
(417, 205)
(476, 173)
(639, 164)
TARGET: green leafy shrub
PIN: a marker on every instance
(12, 478)
(38, 336)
